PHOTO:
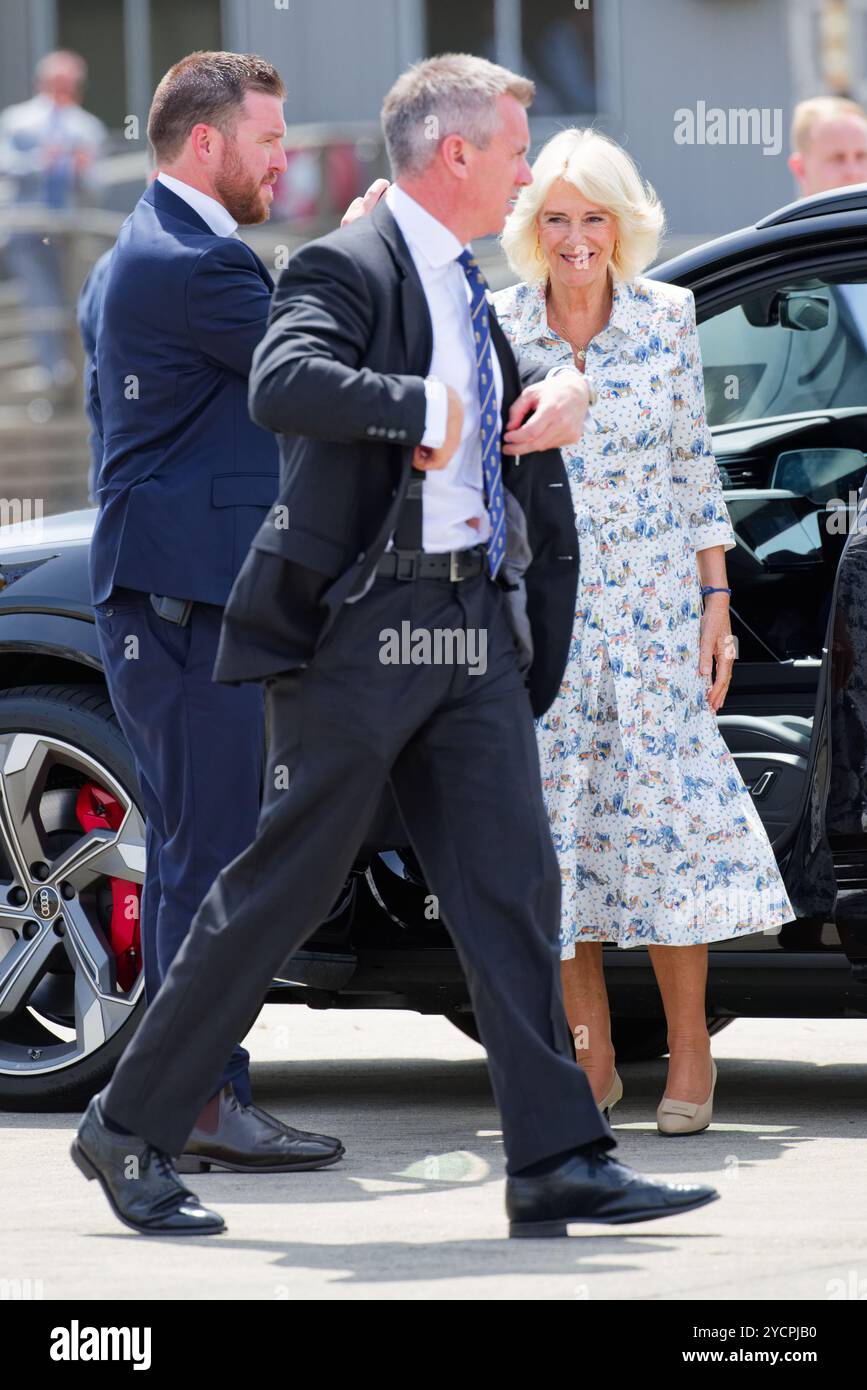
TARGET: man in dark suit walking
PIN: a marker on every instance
(186, 479)
(405, 510)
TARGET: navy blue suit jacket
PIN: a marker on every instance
(186, 477)
(87, 313)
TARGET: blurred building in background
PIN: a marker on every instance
(699, 91)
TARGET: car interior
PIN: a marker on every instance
(786, 389)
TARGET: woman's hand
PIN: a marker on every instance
(361, 206)
(716, 644)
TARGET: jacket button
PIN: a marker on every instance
(362, 554)
(109, 612)
(401, 434)
(392, 434)
(371, 429)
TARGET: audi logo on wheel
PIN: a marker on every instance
(45, 903)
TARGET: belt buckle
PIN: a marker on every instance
(454, 565)
(407, 558)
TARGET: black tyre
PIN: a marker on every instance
(72, 859)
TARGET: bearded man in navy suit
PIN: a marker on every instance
(186, 480)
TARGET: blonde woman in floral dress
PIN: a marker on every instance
(658, 840)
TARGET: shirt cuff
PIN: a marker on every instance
(436, 413)
(570, 367)
(704, 537)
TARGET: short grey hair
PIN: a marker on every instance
(453, 94)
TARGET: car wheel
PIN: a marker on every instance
(72, 862)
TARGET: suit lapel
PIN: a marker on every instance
(511, 380)
(414, 312)
(508, 365)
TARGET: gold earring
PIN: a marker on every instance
(539, 253)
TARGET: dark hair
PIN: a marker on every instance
(206, 87)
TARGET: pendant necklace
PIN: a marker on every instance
(579, 352)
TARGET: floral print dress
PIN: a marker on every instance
(657, 837)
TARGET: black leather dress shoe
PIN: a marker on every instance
(246, 1139)
(153, 1202)
(594, 1188)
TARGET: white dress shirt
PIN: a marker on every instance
(218, 218)
(451, 496)
(27, 128)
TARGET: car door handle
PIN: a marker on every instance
(762, 784)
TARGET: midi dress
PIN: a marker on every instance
(657, 837)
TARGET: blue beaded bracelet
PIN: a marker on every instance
(709, 589)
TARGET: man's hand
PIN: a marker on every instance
(425, 458)
(360, 207)
(556, 408)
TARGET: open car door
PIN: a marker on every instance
(785, 358)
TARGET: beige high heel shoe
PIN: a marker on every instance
(612, 1096)
(682, 1116)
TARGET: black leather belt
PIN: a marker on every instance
(450, 565)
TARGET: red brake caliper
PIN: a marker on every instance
(99, 810)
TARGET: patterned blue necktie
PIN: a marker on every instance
(492, 468)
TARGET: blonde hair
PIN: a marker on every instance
(808, 113)
(603, 173)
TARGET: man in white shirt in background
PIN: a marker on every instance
(49, 148)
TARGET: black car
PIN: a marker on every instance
(782, 310)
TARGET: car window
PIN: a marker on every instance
(799, 346)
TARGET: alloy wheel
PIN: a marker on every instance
(64, 992)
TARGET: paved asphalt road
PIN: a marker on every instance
(415, 1210)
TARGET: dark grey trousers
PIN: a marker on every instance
(460, 752)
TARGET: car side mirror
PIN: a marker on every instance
(821, 475)
(801, 310)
